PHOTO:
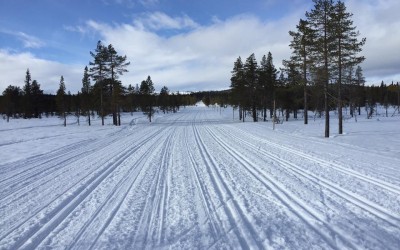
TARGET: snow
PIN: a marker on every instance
(199, 179)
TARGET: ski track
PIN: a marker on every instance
(324, 163)
(66, 206)
(387, 171)
(376, 210)
(126, 191)
(235, 213)
(296, 206)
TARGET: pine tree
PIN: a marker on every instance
(301, 56)
(251, 81)
(163, 100)
(86, 94)
(271, 81)
(346, 48)
(117, 66)
(360, 83)
(37, 99)
(99, 72)
(320, 20)
(146, 92)
(262, 82)
(61, 100)
(27, 90)
(11, 100)
(238, 87)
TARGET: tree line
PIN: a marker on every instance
(324, 64)
(107, 96)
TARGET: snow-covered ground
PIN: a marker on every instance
(198, 180)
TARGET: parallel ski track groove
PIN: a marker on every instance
(159, 201)
(60, 195)
(147, 218)
(289, 200)
(47, 168)
(24, 182)
(324, 144)
(210, 208)
(34, 162)
(355, 199)
(131, 178)
(66, 206)
(388, 186)
(219, 184)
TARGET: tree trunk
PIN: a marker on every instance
(254, 111)
(101, 104)
(305, 105)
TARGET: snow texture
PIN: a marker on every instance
(198, 179)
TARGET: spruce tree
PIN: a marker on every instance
(271, 80)
(251, 84)
(36, 99)
(360, 84)
(11, 101)
(262, 82)
(86, 94)
(146, 92)
(61, 100)
(164, 100)
(27, 90)
(238, 88)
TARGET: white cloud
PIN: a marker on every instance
(378, 21)
(28, 41)
(202, 57)
(159, 21)
(148, 3)
(199, 59)
(47, 73)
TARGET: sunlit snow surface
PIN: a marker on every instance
(198, 179)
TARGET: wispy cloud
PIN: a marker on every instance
(149, 3)
(159, 21)
(127, 3)
(28, 41)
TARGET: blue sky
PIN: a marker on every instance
(183, 44)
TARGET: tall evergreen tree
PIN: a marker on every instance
(117, 66)
(86, 94)
(164, 100)
(271, 81)
(27, 90)
(11, 101)
(61, 100)
(301, 56)
(251, 81)
(360, 83)
(99, 71)
(346, 48)
(320, 20)
(147, 102)
(262, 82)
(36, 99)
(238, 87)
